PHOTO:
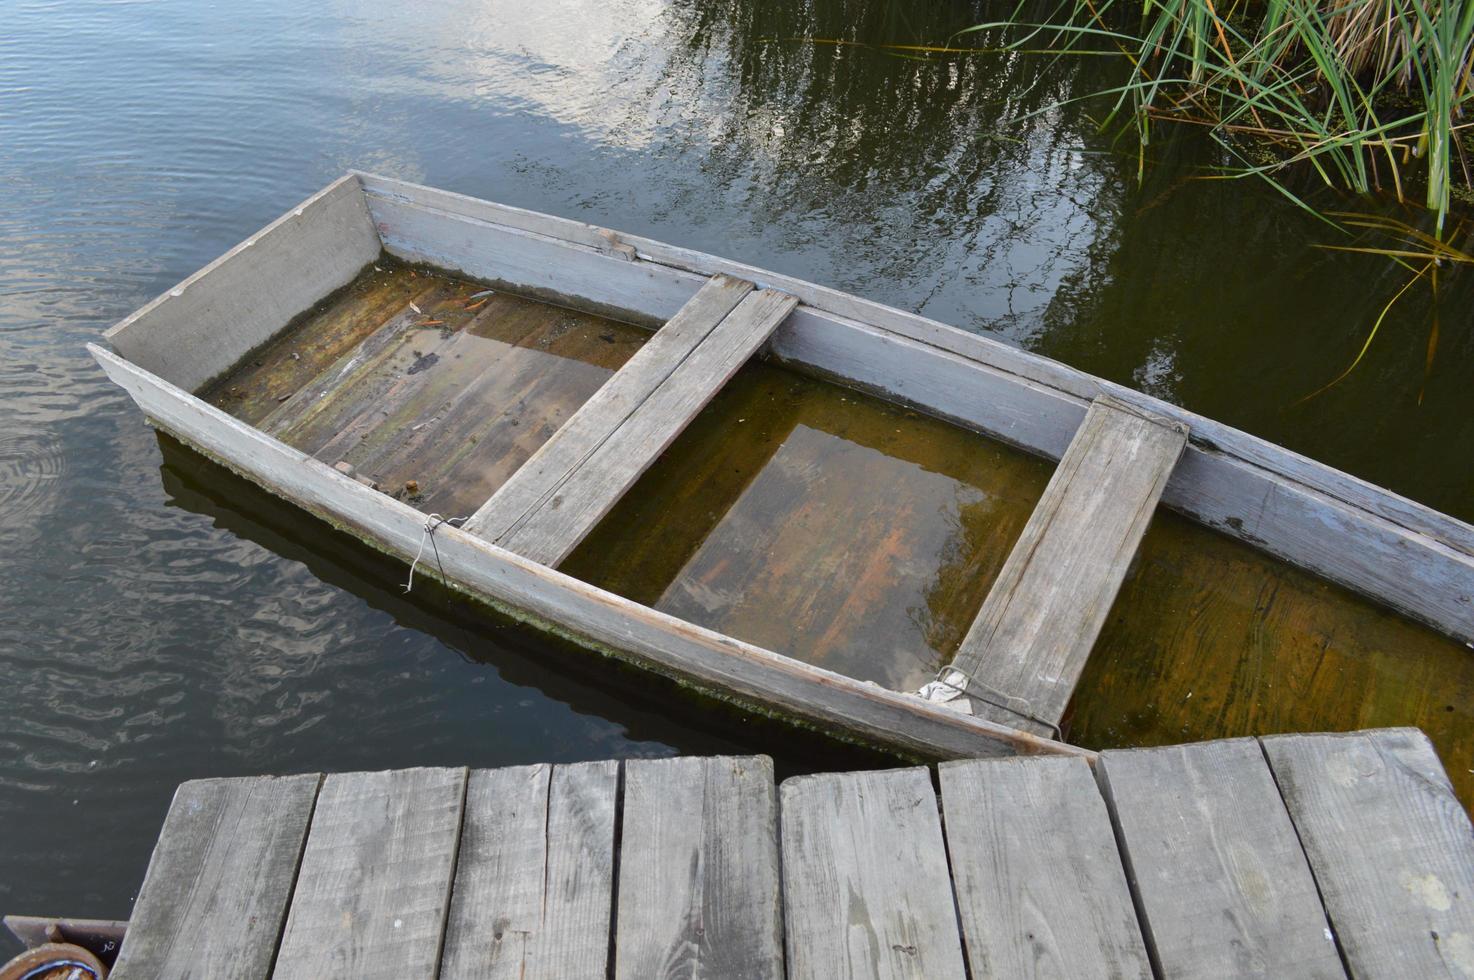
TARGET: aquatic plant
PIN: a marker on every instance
(1366, 93)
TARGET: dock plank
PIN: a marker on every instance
(608, 409)
(866, 891)
(698, 871)
(1029, 643)
(374, 885)
(534, 886)
(1390, 846)
(1218, 872)
(551, 531)
(1039, 883)
(215, 894)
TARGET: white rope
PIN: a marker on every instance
(432, 522)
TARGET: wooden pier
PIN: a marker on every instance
(1286, 856)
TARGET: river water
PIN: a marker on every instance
(159, 621)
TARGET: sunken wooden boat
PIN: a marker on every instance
(389, 356)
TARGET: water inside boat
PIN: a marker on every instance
(829, 525)
(1210, 638)
(430, 387)
(832, 526)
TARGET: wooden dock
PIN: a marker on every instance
(1287, 856)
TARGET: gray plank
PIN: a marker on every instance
(865, 885)
(534, 884)
(698, 871)
(201, 327)
(1390, 845)
(549, 533)
(723, 666)
(215, 895)
(375, 880)
(1039, 883)
(1028, 645)
(599, 417)
(1218, 873)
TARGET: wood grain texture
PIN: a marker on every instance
(375, 880)
(1391, 848)
(559, 272)
(215, 895)
(608, 409)
(1029, 643)
(1218, 874)
(698, 871)
(526, 590)
(866, 891)
(331, 338)
(534, 886)
(1039, 882)
(201, 327)
(569, 513)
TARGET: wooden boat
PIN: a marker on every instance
(418, 395)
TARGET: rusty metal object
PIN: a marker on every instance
(54, 961)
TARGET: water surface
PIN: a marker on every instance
(148, 634)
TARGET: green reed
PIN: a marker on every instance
(1367, 93)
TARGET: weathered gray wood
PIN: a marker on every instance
(709, 661)
(1218, 873)
(202, 326)
(698, 871)
(364, 357)
(865, 885)
(599, 417)
(534, 883)
(532, 264)
(1364, 537)
(1391, 847)
(1039, 883)
(572, 509)
(1028, 645)
(99, 935)
(565, 229)
(374, 884)
(215, 895)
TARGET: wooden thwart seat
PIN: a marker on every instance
(1024, 652)
(547, 507)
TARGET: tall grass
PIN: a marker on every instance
(1371, 94)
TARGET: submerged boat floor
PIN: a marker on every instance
(432, 388)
